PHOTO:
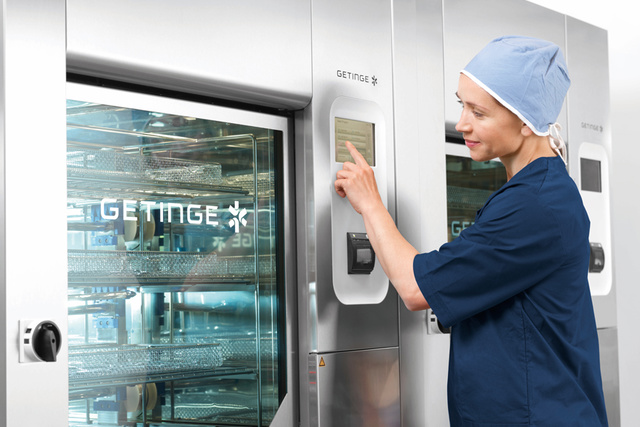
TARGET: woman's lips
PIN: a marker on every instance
(471, 144)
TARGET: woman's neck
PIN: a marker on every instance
(532, 148)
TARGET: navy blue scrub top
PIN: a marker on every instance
(513, 287)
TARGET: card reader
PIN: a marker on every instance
(360, 256)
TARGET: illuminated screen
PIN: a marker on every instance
(360, 134)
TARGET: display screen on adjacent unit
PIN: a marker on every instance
(590, 175)
(360, 134)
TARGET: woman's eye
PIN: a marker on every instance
(475, 113)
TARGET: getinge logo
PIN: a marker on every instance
(592, 126)
(357, 77)
(238, 216)
(110, 209)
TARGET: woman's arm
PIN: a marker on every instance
(356, 181)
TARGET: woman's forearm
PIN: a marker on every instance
(395, 254)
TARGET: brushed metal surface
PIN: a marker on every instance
(362, 45)
(349, 38)
(608, 338)
(358, 388)
(251, 51)
(420, 196)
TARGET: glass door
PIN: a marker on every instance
(176, 308)
(469, 185)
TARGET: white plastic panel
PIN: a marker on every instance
(356, 288)
(598, 207)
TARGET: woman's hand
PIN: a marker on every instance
(357, 182)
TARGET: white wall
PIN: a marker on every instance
(619, 18)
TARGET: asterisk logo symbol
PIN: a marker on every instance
(374, 80)
(238, 216)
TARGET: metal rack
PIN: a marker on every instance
(163, 269)
(134, 363)
(94, 174)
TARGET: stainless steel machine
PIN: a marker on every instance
(193, 264)
(353, 83)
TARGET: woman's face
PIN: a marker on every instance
(490, 130)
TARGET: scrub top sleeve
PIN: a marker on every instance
(514, 244)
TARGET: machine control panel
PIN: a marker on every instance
(594, 189)
(357, 276)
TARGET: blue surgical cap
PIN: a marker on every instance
(526, 75)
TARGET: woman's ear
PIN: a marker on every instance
(526, 130)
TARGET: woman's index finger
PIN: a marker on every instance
(357, 157)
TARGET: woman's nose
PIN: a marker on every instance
(463, 124)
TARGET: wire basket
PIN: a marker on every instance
(132, 360)
(133, 166)
(153, 264)
(264, 181)
(236, 346)
(143, 264)
(222, 408)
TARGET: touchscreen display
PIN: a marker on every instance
(360, 134)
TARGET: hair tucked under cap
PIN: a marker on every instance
(526, 75)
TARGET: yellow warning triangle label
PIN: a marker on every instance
(322, 361)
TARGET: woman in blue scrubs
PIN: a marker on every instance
(513, 286)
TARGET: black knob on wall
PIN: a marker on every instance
(46, 341)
